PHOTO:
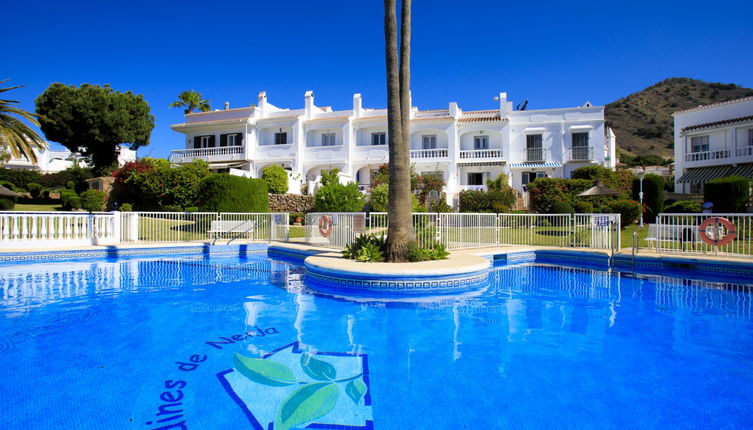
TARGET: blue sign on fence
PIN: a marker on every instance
(602, 221)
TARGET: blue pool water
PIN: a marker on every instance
(155, 344)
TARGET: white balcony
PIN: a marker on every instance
(370, 153)
(313, 154)
(744, 152)
(218, 154)
(428, 153)
(536, 155)
(476, 154)
(700, 157)
(581, 153)
(275, 152)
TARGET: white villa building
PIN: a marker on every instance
(464, 148)
(53, 161)
(711, 142)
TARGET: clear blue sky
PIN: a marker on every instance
(556, 54)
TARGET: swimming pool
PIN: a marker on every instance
(215, 342)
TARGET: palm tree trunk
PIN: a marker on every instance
(399, 209)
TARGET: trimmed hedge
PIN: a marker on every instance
(653, 195)
(561, 208)
(276, 178)
(629, 211)
(684, 207)
(93, 200)
(227, 193)
(487, 201)
(7, 203)
(729, 195)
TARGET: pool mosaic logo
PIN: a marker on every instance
(293, 389)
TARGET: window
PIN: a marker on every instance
(580, 140)
(699, 144)
(378, 138)
(439, 175)
(533, 141)
(281, 138)
(328, 139)
(429, 142)
(481, 142)
(475, 178)
(234, 139)
(203, 142)
(750, 137)
(529, 177)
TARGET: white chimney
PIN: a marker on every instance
(227, 105)
(308, 103)
(261, 104)
(455, 110)
(357, 105)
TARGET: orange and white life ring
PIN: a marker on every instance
(325, 225)
(717, 231)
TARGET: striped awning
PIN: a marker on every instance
(552, 164)
(744, 170)
(701, 175)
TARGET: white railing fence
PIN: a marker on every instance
(334, 229)
(684, 233)
(43, 229)
(56, 229)
(473, 230)
(203, 226)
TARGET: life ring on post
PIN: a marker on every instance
(325, 225)
(717, 231)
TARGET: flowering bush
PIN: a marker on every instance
(629, 211)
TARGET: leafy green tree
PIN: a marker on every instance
(191, 100)
(94, 120)
(276, 178)
(336, 197)
(16, 138)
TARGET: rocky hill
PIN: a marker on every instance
(643, 121)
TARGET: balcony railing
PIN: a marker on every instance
(581, 153)
(535, 155)
(745, 151)
(708, 155)
(221, 153)
(428, 153)
(481, 153)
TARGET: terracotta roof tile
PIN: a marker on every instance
(701, 107)
(718, 123)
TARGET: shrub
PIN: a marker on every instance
(19, 178)
(425, 184)
(294, 215)
(561, 208)
(653, 195)
(276, 178)
(366, 248)
(93, 200)
(486, 201)
(629, 211)
(75, 174)
(684, 207)
(34, 189)
(335, 197)
(126, 207)
(379, 203)
(69, 199)
(440, 206)
(7, 203)
(729, 195)
(435, 251)
(9, 185)
(226, 193)
(583, 207)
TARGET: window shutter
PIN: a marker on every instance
(197, 142)
(239, 139)
(223, 140)
(211, 141)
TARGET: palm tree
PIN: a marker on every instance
(191, 100)
(17, 138)
(400, 231)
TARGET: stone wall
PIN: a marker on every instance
(290, 203)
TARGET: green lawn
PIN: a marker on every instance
(37, 205)
(297, 231)
(626, 236)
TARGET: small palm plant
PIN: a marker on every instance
(17, 138)
(191, 100)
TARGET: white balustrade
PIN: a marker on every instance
(481, 153)
(55, 229)
(221, 153)
(428, 153)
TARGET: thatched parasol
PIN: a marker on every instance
(599, 190)
(4, 192)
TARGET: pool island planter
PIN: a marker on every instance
(457, 274)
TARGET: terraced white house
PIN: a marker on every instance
(464, 148)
